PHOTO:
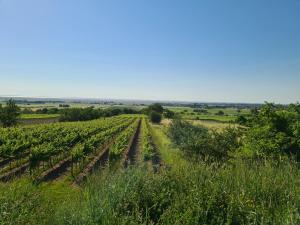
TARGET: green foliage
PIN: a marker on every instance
(78, 114)
(220, 113)
(168, 114)
(147, 145)
(156, 107)
(9, 114)
(242, 120)
(199, 142)
(274, 131)
(122, 141)
(43, 142)
(89, 113)
(245, 193)
(155, 117)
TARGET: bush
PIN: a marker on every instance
(220, 113)
(274, 131)
(155, 117)
(168, 114)
(199, 142)
(242, 120)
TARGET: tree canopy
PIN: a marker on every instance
(9, 114)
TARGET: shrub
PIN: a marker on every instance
(274, 131)
(155, 117)
(199, 142)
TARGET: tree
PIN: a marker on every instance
(9, 114)
(156, 107)
(242, 120)
(220, 113)
(155, 117)
(168, 114)
(274, 131)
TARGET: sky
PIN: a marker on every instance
(186, 50)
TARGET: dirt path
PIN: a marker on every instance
(134, 150)
(16, 172)
(98, 162)
(56, 171)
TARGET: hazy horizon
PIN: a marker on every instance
(195, 51)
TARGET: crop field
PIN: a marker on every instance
(127, 170)
(73, 150)
(38, 116)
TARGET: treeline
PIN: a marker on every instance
(273, 131)
(90, 113)
(9, 114)
(154, 111)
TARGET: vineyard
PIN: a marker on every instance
(73, 150)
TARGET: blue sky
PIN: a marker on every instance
(195, 50)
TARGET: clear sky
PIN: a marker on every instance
(196, 50)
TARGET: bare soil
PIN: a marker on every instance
(133, 150)
(14, 173)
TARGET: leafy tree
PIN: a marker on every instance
(242, 120)
(274, 131)
(156, 107)
(9, 114)
(220, 113)
(155, 117)
(168, 114)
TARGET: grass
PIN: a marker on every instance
(189, 193)
(38, 116)
(228, 111)
(22, 202)
(210, 124)
(230, 114)
(183, 192)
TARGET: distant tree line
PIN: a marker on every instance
(9, 114)
(90, 113)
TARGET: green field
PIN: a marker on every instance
(126, 170)
(182, 192)
(38, 116)
(230, 114)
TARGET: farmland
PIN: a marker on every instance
(38, 116)
(45, 151)
(127, 170)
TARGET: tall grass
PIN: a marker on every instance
(239, 192)
(242, 193)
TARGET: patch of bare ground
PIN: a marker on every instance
(133, 150)
(16, 172)
(38, 121)
(56, 171)
(99, 161)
